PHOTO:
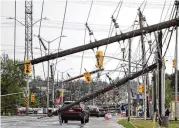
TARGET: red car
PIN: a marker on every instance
(77, 112)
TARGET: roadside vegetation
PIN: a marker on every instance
(136, 123)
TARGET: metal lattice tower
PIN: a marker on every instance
(28, 42)
(28, 30)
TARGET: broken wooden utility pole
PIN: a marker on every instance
(106, 89)
(131, 34)
(128, 85)
(144, 77)
(160, 86)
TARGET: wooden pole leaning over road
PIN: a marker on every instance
(128, 85)
(160, 86)
(108, 88)
(131, 34)
(144, 77)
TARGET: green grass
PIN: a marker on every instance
(145, 124)
(125, 123)
(174, 124)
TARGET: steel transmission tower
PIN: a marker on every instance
(28, 41)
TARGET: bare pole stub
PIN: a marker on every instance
(131, 34)
(108, 88)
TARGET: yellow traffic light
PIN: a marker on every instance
(88, 78)
(99, 59)
(61, 93)
(141, 88)
(174, 63)
(27, 67)
(32, 97)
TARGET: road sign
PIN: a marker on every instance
(25, 101)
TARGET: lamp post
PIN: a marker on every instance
(12, 18)
(28, 40)
(62, 80)
(48, 65)
(53, 89)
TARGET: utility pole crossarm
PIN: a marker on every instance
(92, 72)
(131, 34)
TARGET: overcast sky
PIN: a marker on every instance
(74, 30)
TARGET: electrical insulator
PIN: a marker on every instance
(116, 25)
(122, 49)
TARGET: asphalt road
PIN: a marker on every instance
(33, 122)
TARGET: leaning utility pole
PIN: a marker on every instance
(143, 62)
(123, 36)
(28, 42)
(160, 86)
(176, 67)
(154, 92)
(128, 85)
(106, 89)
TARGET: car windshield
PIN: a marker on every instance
(93, 109)
(67, 103)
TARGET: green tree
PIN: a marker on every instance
(171, 77)
(12, 81)
(168, 93)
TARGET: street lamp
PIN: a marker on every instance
(11, 18)
(28, 40)
(53, 89)
(49, 42)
